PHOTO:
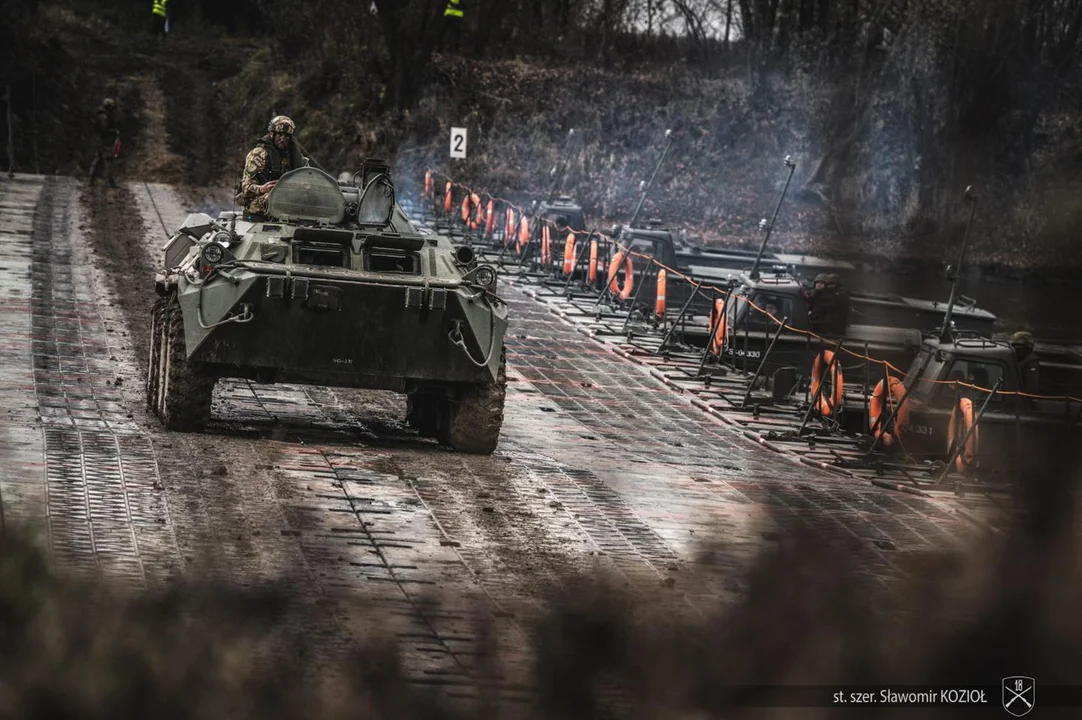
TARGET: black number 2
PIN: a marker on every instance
(458, 142)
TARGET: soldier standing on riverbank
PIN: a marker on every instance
(106, 142)
(161, 18)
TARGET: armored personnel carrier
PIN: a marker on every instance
(1034, 411)
(562, 213)
(334, 287)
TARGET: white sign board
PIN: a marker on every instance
(458, 143)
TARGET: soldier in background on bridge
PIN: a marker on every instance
(1029, 367)
(828, 306)
(106, 142)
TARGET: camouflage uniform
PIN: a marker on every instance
(265, 162)
(107, 134)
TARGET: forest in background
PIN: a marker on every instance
(890, 108)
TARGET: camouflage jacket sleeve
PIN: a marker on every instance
(254, 164)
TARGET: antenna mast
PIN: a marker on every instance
(944, 332)
(754, 272)
(557, 176)
(646, 188)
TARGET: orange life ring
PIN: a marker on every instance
(523, 234)
(827, 405)
(469, 199)
(961, 421)
(591, 276)
(896, 389)
(490, 217)
(569, 253)
(659, 295)
(428, 185)
(623, 258)
(716, 312)
(447, 199)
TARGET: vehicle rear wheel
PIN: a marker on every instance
(474, 420)
(154, 355)
(185, 392)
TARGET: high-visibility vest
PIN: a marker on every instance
(452, 9)
(159, 7)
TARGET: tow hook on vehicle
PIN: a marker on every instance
(456, 332)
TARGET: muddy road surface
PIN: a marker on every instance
(601, 470)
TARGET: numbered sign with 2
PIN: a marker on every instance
(458, 143)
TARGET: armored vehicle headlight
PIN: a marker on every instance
(485, 276)
(213, 253)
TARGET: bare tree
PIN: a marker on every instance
(412, 29)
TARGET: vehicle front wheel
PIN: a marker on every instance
(185, 391)
(475, 418)
(154, 355)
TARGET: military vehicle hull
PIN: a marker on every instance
(746, 351)
(880, 318)
(881, 309)
(924, 315)
(736, 261)
(335, 288)
(320, 330)
(1011, 436)
(1007, 443)
(1015, 430)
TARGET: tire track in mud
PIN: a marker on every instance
(417, 533)
(351, 505)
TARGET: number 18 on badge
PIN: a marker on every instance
(458, 143)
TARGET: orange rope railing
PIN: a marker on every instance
(628, 252)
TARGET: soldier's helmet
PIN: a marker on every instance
(281, 124)
(108, 102)
(1022, 339)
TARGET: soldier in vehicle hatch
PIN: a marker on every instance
(275, 154)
